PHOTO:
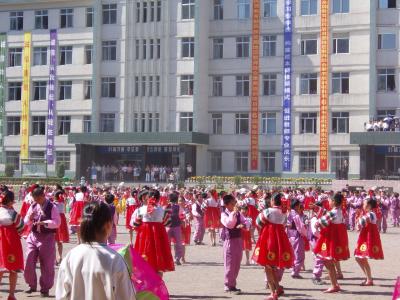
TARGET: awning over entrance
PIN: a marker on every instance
(375, 138)
(139, 138)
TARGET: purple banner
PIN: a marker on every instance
(51, 99)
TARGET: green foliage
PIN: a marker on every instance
(237, 180)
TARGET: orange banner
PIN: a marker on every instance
(255, 85)
(324, 87)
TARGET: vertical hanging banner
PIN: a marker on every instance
(26, 76)
(51, 98)
(287, 90)
(324, 86)
(3, 45)
(255, 85)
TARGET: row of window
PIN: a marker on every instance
(146, 122)
(62, 157)
(148, 11)
(268, 160)
(149, 49)
(66, 17)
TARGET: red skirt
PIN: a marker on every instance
(62, 234)
(253, 214)
(306, 244)
(153, 245)
(186, 232)
(308, 201)
(76, 213)
(273, 247)
(24, 209)
(246, 236)
(212, 217)
(11, 255)
(369, 243)
(129, 212)
(333, 243)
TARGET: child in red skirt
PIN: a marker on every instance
(333, 244)
(246, 233)
(273, 249)
(212, 216)
(369, 242)
(132, 203)
(11, 255)
(77, 210)
(62, 234)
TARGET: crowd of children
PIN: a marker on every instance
(288, 222)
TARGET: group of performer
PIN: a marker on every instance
(288, 223)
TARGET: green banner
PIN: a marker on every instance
(3, 51)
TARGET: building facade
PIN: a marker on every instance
(267, 87)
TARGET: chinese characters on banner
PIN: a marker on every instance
(3, 45)
(287, 90)
(51, 101)
(255, 83)
(324, 92)
(26, 76)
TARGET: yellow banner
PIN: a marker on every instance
(26, 74)
(324, 87)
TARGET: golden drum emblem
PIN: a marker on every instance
(323, 247)
(11, 258)
(271, 255)
(363, 247)
(339, 250)
(375, 249)
(257, 251)
(286, 256)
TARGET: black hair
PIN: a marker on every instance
(8, 197)
(154, 194)
(371, 202)
(142, 194)
(109, 198)
(173, 197)
(83, 189)
(221, 193)
(204, 195)
(38, 191)
(58, 187)
(337, 199)
(396, 195)
(134, 192)
(95, 216)
(228, 199)
(277, 199)
(57, 194)
(294, 203)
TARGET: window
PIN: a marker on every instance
(270, 8)
(144, 54)
(341, 43)
(37, 155)
(13, 125)
(16, 20)
(135, 122)
(216, 123)
(268, 162)
(87, 87)
(340, 122)
(308, 162)
(143, 123)
(108, 87)
(308, 83)
(14, 91)
(144, 12)
(159, 6)
(151, 48)
(138, 11)
(187, 85)
(188, 7)
(217, 86)
(152, 11)
(386, 80)
(243, 46)
(87, 124)
(309, 44)
(66, 18)
(340, 83)
(88, 54)
(186, 122)
(109, 13)
(150, 86)
(107, 122)
(243, 9)
(63, 158)
(387, 3)
(268, 123)
(65, 55)
(242, 85)
(89, 17)
(387, 41)
(188, 47)
(64, 125)
(39, 56)
(242, 123)
(143, 86)
(338, 158)
(269, 45)
(65, 89)
(15, 57)
(12, 158)
(216, 161)
(150, 122)
(158, 46)
(218, 9)
(39, 90)
(157, 122)
(308, 123)
(340, 6)
(158, 86)
(136, 86)
(269, 84)
(38, 125)
(109, 50)
(308, 7)
(218, 48)
(241, 161)
(137, 49)
(41, 19)
(381, 114)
